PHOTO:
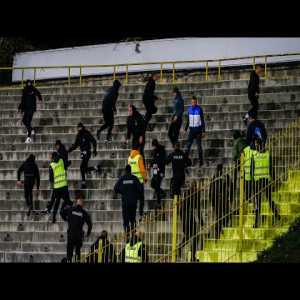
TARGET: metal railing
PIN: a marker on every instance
(158, 66)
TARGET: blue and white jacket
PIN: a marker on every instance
(195, 118)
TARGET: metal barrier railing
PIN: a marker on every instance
(197, 221)
(158, 66)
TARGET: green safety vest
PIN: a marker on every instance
(135, 169)
(262, 165)
(59, 173)
(248, 152)
(132, 253)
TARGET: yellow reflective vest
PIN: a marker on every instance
(59, 174)
(248, 154)
(262, 165)
(132, 253)
(135, 169)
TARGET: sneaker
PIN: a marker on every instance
(45, 211)
(83, 185)
(29, 212)
(32, 132)
(28, 140)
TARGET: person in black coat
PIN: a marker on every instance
(109, 108)
(84, 139)
(108, 251)
(158, 165)
(136, 126)
(31, 176)
(149, 98)
(256, 129)
(28, 107)
(131, 190)
(76, 216)
(180, 162)
(63, 153)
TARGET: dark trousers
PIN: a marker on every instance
(27, 118)
(57, 195)
(135, 141)
(151, 109)
(72, 244)
(142, 201)
(174, 130)
(195, 135)
(129, 218)
(262, 186)
(254, 102)
(108, 116)
(84, 167)
(155, 184)
(28, 187)
(176, 184)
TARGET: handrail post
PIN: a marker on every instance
(253, 62)
(100, 251)
(219, 70)
(206, 71)
(69, 76)
(161, 73)
(266, 73)
(126, 75)
(34, 75)
(80, 76)
(114, 73)
(22, 78)
(173, 75)
(241, 210)
(174, 229)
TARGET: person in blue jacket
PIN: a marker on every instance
(196, 124)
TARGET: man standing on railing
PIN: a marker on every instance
(262, 174)
(176, 121)
(196, 124)
(76, 217)
(109, 108)
(255, 129)
(28, 107)
(84, 139)
(180, 162)
(149, 98)
(253, 89)
(131, 189)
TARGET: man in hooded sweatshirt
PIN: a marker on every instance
(136, 162)
(31, 175)
(63, 153)
(84, 139)
(136, 126)
(28, 107)
(109, 108)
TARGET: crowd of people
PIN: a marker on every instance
(132, 184)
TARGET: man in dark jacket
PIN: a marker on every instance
(109, 108)
(63, 153)
(149, 98)
(106, 249)
(158, 164)
(176, 120)
(180, 162)
(28, 107)
(253, 89)
(59, 184)
(76, 217)
(255, 129)
(136, 126)
(84, 139)
(131, 190)
(31, 175)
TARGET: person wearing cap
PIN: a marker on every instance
(76, 216)
(84, 140)
(176, 120)
(255, 128)
(59, 184)
(63, 153)
(109, 108)
(28, 107)
(31, 176)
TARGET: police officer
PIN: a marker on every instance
(180, 162)
(131, 190)
(136, 162)
(31, 175)
(76, 217)
(262, 176)
(58, 181)
(135, 251)
(84, 139)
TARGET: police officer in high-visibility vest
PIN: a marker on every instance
(135, 251)
(262, 175)
(136, 162)
(59, 183)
